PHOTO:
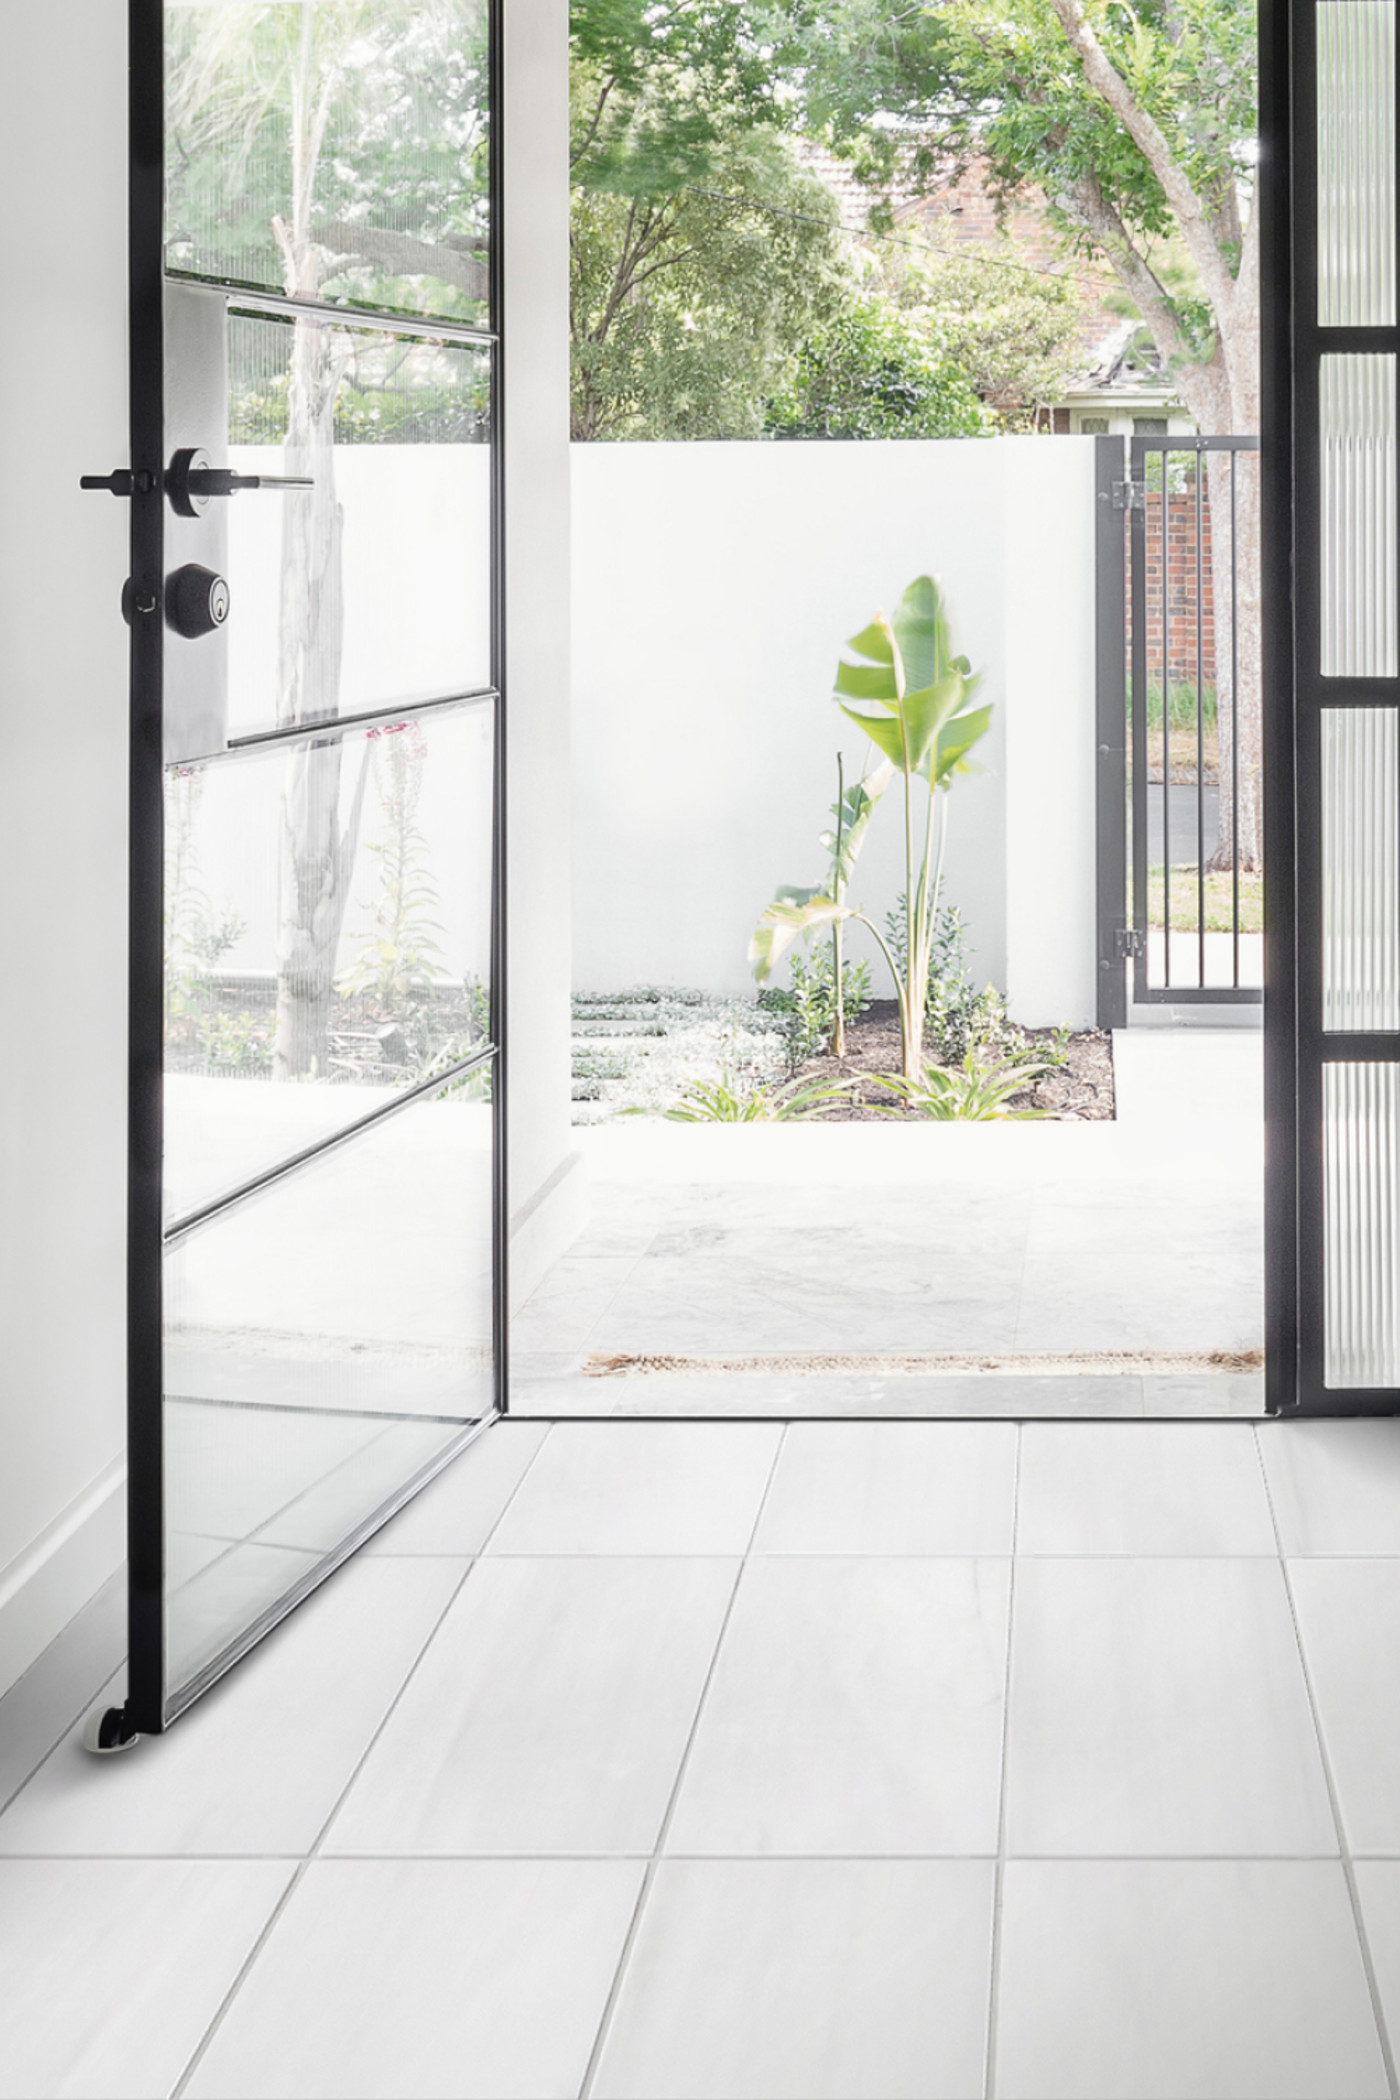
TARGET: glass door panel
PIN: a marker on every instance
(380, 110)
(296, 1007)
(316, 1200)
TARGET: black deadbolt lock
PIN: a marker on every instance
(196, 601)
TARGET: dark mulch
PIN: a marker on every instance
(1081, 1092)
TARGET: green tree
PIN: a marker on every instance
(873, 372)
(1012, 331)
(689, 306)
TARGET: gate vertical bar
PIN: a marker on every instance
(1138, 534)
(1111, 711)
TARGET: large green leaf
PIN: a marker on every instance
(874, 641)
(884, 732)
(925, 714)
(955, 740)
(781, 925)
(855, 809)
(867, 682)
(920, 627)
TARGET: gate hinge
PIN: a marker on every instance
(1130, 495)
(1128, 942)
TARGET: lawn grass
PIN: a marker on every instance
(1219, 901)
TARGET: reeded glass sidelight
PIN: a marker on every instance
(1356, 163)
(1361, 1224)
(1360, 869)
(1358, 524)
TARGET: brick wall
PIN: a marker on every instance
(1180, 565)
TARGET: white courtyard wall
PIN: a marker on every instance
(714, 586)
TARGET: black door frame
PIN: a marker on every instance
(149, 1709)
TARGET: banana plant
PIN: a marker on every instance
(910, 695)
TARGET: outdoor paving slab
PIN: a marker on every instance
(113, 1968)
(427, 1980)
(805, 1980)
(855, 1708)
(1182, 1980)
(1159, 1707)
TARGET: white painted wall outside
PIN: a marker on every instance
(714, 586)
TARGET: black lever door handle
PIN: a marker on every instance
(121, 483)
(190, 481)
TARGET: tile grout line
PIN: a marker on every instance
(624, 1958)
(999, 1870)
(181, 2084)
(1334, 1801)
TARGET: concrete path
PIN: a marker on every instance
(888, 1241)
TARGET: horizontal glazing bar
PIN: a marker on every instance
(180, 1228)
(391, 711)
(1353, 1049)
(243, 300)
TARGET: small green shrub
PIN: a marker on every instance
(807, 1006)
(966, 1093)
(731, 1099)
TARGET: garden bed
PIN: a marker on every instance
(1079, 1091)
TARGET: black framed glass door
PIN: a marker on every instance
(315, 1238)
(1332, 343)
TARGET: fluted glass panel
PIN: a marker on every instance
(1357, 419)
(1360, 868)
(1361, 1224)
(1356, 163)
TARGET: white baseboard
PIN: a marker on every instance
(546, 1226)
(47, 1584)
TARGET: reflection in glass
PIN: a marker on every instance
(1361, 1224)
(332, 152)
(328, 937)
(324, 1340)
(375, 584)
(1360, 868)
(1357, 431)
(1356, 163)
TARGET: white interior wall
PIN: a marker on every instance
(62, 818)
(714, 587)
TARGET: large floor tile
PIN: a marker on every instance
(260, 1761)
(1182, 1980)
(1335, 1485)
(113, 1969)
(1349, 1619)
(413, 1979)
(806, 1980)
(1144, 1488)
(461, 1508)
(1159, 1706)
(642, 1487)
(1378, 1886)
(549, 1715)
(892, 1488)
(856, 1707)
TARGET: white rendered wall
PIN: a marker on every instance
(714, 586)
(546, 1185)
(63, 696)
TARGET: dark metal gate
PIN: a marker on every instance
(1179, 880)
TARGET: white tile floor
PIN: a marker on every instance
(734, 1761)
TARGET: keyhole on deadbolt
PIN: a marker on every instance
(196, 601)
